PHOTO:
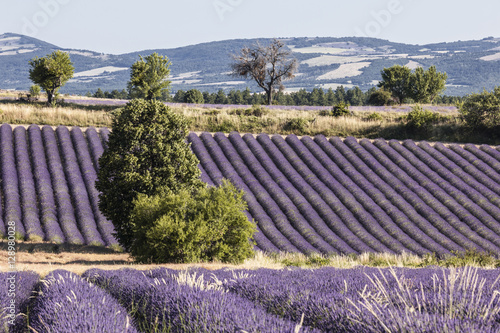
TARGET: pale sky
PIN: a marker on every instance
(121, 26)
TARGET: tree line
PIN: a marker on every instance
(317, 97)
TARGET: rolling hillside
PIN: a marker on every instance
(307, 195)
(324, 62)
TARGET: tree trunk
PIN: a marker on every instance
(50, 97)
(269, 97)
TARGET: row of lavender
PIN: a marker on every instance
(344, 196)
(48, 182)
(323, 300)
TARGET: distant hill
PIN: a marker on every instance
(324, 62)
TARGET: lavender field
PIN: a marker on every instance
(308, 195)
(355, 300)
(348, 196)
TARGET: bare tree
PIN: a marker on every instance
(269, 66)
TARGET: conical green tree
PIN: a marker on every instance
(147, 153)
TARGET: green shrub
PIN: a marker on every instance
(206, 225)
(375, 116)
(256, 111)
(482, 110)
(340, 109)
(419, 118)
(297, 125)
(380, 98)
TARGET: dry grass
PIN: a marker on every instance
(45, 257)
(14, 113)
(203, 119)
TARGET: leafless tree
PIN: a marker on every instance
(269, 66)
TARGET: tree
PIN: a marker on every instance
(482, 111)
(147, 153)
(148, 79)
(220, 98)
(194, 96)
(424, 86)
(51, 72)
(355, 96)
(269, 66)
(396, 80)
(99, 93)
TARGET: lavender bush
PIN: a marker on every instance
(67, 303)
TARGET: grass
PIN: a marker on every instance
(361, 124)
(44, 257)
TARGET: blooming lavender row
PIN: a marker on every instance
(409, 179)
(67, 303)
(78, 191)
(65, 210)
(10, 185)
(342, 220)
(15, 291)
(373, 190)
(160, 305)
(289, 208)
(495, 153)
(318, 213)
(440, 212)
(275, 212)
(345, 198)
(105, 136)
(206, 161)
(482, 171)
(372, 196)
(95, 144)
(43, 184)
(401, 228)
(89, 175)
(372, 300)
(29, 205)
(357, 300)
(476, 203)
(487, 154)
(264, 222)
(461, 180)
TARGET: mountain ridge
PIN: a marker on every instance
(325, 62)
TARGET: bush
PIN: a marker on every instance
(380, 98)
(209, 224)
(419, 118)
(297, 125)
(340, 109)
(256, 110)
(482, 110)
(147, 153)
(375, 116)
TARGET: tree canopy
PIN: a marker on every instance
(396, 80)
(51, 72)
(268, 65)
(422, 86)
(147, 153)
(148, 77)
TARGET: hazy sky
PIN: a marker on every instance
(120, 26)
